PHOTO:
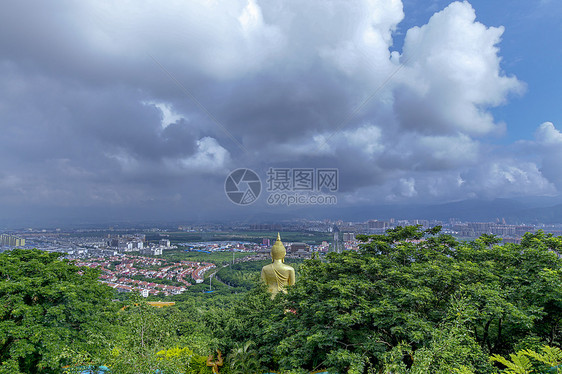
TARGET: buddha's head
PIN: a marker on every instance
(278, 250)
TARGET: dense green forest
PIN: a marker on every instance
(409, 301)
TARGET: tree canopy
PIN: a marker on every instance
(410, 301)
(46, 306)
(413, 295)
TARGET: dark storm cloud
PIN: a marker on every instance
(281, 109)
(147, 104)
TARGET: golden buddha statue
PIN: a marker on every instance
(277, 275)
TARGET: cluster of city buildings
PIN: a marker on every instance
(212, 246)
(475, 229)
(137, 242)
(344, 232)
(296, 250)
(119, 272)
(80, 244)
(11, 241)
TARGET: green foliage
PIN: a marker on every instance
(48, 306)
(243, 275)
(453, 303)
(181, 360)
(411, 301)
(546, 359)
(243, 359)
(452, 349)
(146, 339)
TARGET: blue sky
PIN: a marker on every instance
(141, 110)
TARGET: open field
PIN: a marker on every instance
(217, 258)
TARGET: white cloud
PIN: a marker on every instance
(168, 114)
(548, 135)
(251, 17)
(210, 157)
(366, 138)
(414, 152)
(548, 145)
(369, 43)
(507, 178)
(452, 75)
(404, 188)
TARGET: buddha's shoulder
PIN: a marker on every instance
(267, 267)
(287, 267)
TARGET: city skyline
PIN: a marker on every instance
(113, 112)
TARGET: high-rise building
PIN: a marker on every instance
(298, 247)
(374, 224)
(337, 245)
(348, 236)
(11, 241)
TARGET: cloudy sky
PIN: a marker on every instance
(140, 109)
